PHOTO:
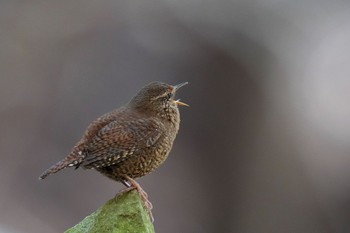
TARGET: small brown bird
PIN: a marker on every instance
(130, 141)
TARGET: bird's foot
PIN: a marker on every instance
(132, 184)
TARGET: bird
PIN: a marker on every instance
(131, 141)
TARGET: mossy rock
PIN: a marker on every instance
(122, 214)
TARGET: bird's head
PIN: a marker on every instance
(157, 97)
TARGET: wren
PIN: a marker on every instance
(131, 141)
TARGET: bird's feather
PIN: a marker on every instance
(117, 141)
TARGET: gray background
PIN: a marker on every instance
(264, 146)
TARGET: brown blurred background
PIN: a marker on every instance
(263, 148)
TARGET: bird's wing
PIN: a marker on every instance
(117, 141)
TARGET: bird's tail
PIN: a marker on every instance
(70, 161)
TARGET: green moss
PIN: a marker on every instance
(122, 214)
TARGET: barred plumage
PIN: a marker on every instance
(131, 141)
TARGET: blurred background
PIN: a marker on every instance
(264, 146)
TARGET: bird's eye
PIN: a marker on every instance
(169, 95)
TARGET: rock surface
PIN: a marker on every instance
(122, 214)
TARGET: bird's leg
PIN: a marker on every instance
(132, 184)
(126, 184)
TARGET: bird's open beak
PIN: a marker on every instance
(181, 103)
(177, 87)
